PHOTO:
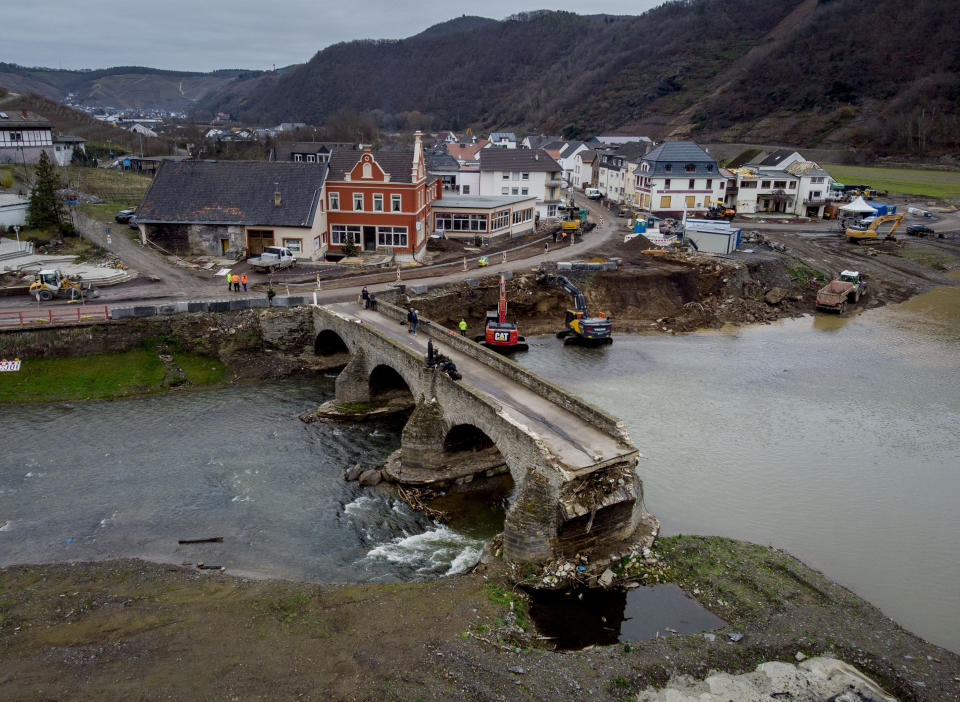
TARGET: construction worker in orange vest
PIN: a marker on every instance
(236, 282)
(243, 280)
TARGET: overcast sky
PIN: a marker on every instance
(204, 35)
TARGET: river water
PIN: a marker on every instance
(835, 439)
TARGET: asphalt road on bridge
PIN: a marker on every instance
(574, 442)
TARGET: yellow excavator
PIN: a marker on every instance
(859, 234)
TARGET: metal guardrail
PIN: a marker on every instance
(54, 315)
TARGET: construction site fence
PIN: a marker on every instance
(54, 315)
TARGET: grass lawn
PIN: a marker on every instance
(102, 376)
(944, 185)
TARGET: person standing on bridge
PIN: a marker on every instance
(430, 359)
(365, 296)
(243, 281)
(412, 319)
(463, 327)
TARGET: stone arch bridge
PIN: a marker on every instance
(577, 488)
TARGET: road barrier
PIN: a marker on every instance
(54, 315)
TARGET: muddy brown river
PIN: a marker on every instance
(834, 439)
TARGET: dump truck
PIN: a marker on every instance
(272, 258)
(849, 286)
(48, 284)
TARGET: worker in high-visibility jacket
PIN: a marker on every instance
(463, 327)
(243, 281)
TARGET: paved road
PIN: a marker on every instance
(160, 281)
(574, 442)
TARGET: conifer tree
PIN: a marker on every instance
(45, 208)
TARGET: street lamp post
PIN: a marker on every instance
(16, 230)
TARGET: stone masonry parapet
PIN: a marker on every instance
(554, 393)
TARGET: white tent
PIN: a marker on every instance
(858, 206)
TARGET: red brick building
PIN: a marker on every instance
(380, 200)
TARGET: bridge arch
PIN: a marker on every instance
(466, 437)
(385, 382)
(329, 343)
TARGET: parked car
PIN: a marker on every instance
(123, 216)
(919, 230)
(593, 193)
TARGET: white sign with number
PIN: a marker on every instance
(7, 366)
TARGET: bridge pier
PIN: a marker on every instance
(353, 383)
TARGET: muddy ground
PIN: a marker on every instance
(135, 630)
(778, 277)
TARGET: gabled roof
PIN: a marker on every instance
(570, 148)
(19, 119)
(806, 168)
(538, 141)
(398, 164)
(632, 150)
(517, 160)
(775, 157)
(498, 136)
(465, 152)
(441, 162)
(588, 156)
(285, 149)
(233, 192)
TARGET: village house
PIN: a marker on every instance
(380, 201)
(466, 217)
(616, 170)
(24, 136)
(780, 182)
(309, 151)
(64, 146)
(538, 141)
(467, 152)
(678, 177)
(235, 208)
(521, 172)
(564, 153)
(446, 168)
(584, 169)
(503, 140)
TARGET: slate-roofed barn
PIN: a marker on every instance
(228, 207)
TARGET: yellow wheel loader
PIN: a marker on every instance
(49, 284)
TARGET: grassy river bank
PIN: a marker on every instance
(136, 630)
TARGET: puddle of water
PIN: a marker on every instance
(575, 619)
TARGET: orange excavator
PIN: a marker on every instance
(500, 335)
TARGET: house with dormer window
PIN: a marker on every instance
(381, 201)
(677, 177)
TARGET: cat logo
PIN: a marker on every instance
(501, 336)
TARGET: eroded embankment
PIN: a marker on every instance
(677, 294)
(253, 344)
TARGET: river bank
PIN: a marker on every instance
(125, 629)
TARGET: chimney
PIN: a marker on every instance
(276, 194)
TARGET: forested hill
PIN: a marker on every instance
(807, 72)
(135, 87)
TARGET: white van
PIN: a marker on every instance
(593, 193)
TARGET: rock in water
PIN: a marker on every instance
(370, 477)
(606, 578)
(351, 474)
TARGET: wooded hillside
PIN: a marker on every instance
(807, 72)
